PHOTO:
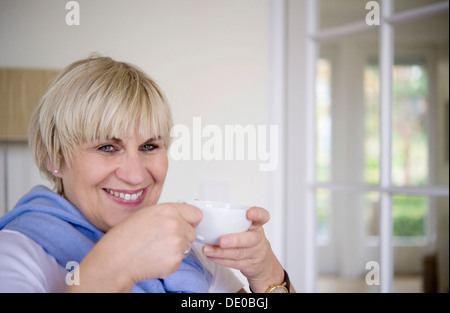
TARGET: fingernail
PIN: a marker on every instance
(208, 249)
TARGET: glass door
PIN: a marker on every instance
(381, 145)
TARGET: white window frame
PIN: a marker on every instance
(297, 243)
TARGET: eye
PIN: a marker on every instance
(149, 147)
(107, 148)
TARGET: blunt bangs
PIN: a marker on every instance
(113, 106)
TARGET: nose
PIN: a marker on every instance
(132, 169)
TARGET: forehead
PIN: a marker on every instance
(134, 132)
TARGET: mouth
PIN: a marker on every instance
(126, 197)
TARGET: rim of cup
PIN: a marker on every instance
(218, 204)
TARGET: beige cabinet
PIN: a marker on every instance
(20, 91)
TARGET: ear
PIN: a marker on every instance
(56, 171)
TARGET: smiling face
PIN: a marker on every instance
(109, 180)
(101, 133)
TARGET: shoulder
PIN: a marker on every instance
(224, 279)
(26, 267)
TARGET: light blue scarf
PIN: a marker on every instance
(63, 232)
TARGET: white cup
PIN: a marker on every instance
(220, 218)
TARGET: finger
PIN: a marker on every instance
(189, 233)
(184, 228)
(189, 213)
(187, 251)
(179, 219)
(237, 246)
(258, 216)
(234, 255)
(243, 240)
(217, 253)
(230, 263)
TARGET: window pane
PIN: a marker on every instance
(409, 215)
(409, 116)
(323, 120)
(402, 5)
(372, 216)
(343, 258)
(372, 123)
(421, 265)
(347, 111)
(335, 13)
(323, 217)
(420, 102)
(410, 111)
(440, 222)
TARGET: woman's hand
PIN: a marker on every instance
(250, 252)
(148, 244)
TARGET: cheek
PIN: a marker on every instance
(93, 173)
(159, 168)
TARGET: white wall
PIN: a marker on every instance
(210, 57)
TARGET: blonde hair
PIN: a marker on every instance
(95, 99)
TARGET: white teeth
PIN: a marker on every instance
(126, 196)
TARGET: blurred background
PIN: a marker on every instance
(354, 184)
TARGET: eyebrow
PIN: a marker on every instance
(153, 139)
(120, 141)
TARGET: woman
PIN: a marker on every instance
(100, 134)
